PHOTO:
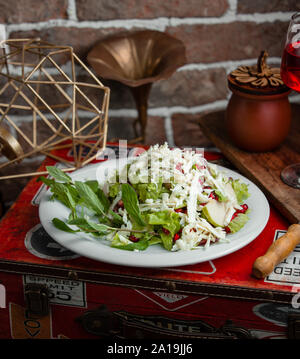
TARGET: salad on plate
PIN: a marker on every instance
(169, 197)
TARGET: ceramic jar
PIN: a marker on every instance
(257, 120)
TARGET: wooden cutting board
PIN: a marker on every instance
(262, 168)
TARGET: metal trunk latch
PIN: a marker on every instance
(294, 326)
(36, 299)
(97, 321)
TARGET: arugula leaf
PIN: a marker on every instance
(62, 193)
(89, 198)
(116, 219)
(77, 221)
(141, 245)
(62, 226)
(93, 184)
(73, 192)
(90, 226)
(104, 200)
(47, 181)
(99, 227)
(58, 174)
(130, 201)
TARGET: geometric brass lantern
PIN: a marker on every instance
(61, 108)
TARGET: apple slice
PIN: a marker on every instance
(230, 192)
(215, 212)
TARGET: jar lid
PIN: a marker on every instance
(259, 79)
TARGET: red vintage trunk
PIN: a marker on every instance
(90, 299)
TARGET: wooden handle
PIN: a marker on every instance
(277, 252)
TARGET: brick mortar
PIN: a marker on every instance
(71, 10)
(155, 24)
(227, 65)
(155, 111)
(169, 131)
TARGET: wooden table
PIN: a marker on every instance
(262, 168)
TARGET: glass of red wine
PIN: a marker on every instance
(290, 74)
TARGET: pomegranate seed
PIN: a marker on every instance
(181, 210)
(178, 166)
(133, 238)
(121, 204)
(213, 196)
(165, 231)
(243, 210)
(202, 167)
(176, 237)
(234, 215)
(245, 207)
(202, 242)
(227, 229)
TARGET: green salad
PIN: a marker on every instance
(170, 197)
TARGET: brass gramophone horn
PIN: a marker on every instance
(9, 146)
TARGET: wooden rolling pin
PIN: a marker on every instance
(277, 252)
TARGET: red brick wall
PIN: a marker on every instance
(219, 35)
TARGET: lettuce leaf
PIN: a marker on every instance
(166, 219)
(167, 240)
(238, 222)
(151, 190)
(147, 191)
(114, 190)
(241, 191)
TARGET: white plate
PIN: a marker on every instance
(155, 255)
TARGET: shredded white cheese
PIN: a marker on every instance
(191, 179)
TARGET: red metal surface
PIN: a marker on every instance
(233, 270)
(181, 313)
